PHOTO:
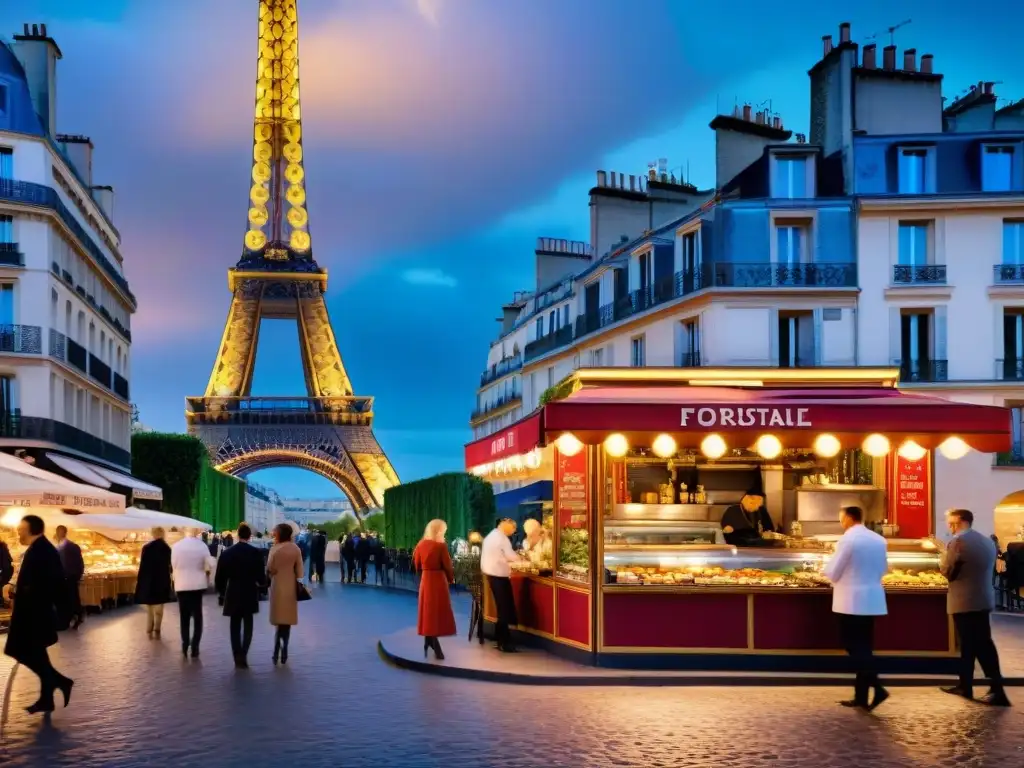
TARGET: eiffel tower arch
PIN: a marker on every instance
(328, 430)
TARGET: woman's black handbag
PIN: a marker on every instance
(302, 592)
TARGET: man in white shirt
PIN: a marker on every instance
(855, 570)
(191, 565)
(495, 556)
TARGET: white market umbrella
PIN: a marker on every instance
(166, 519)
(39, 489)
(112, 526)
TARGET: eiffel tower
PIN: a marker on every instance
(329, 431)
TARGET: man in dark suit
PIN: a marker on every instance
(968, 563)
(40, 609)
(74, 569)
(317, 555)
(240, 577)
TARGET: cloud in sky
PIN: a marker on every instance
(433, 277)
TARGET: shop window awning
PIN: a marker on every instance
(515, 440)
(102, 477)
(25, 488)
(796, 416)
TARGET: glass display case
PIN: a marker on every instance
(622, 535)
(784, 562)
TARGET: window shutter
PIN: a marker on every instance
(940, 333)
(773, 337)
(817, 336)
(895, 336)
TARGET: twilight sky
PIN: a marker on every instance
(441, 138)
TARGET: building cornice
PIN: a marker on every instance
(952, 204)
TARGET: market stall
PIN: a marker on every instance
(665, 559)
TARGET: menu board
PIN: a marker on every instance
(571, 489)
(912, 496)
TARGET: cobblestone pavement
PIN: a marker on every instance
(137, 702)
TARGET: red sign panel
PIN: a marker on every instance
(521, 437)
(912, 496)
(571, 489)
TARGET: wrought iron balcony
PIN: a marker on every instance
(277, 411)
(498, 403)
(552, 341)
(11, 255)
(1011, 458)
(77, 356)
(1008, 274)
(659, 292)
(46, 197)
(14, 426)
(774, 275)
(923, 370)
(121, 386)
(503, 368)
(1010, 370)
(99, 371)
(58, 345)
(690, 359)
(21, 339)
(919, 274)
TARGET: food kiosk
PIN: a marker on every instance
(648, 461)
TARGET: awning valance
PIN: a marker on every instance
(166, 519)
(139, 489)
(516, 439)
(796, 416)
(102, 477)
(29, 488)
(79, 469)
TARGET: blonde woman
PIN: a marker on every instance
(153, 585)
(431, 560)
(284, 566)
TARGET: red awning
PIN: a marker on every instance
(521, 437)
(795, 416)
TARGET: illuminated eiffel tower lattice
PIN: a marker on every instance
(329, 430)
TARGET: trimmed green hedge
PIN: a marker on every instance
(219, 498)
(462, 500)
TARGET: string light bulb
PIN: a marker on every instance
(768, 446)
(876, 445)
(616, 445)
(664, 446)
(954, 448)
(827, 446)
(568, 444)
(713, 446)
(911, 451)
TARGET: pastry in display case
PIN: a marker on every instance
(913, 564)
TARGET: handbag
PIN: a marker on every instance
(302, 593)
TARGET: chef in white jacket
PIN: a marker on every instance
(855, 570)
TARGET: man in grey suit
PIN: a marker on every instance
(968, 563)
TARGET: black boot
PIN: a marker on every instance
(438, 653)
(277, 649)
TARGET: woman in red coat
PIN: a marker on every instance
(432, 562)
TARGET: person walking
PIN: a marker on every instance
(317, 555)
(191, 565)
(495, 556)
(363, 553)
(284, 567)
(74, 569)
(153, 585)
(41, 608)
(239, 578)
(6, 571)
(434, 618)
(855, 570)
(968, 564)
(348, 557)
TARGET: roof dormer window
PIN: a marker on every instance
(792, 176)
(916, 170)
(997, 167)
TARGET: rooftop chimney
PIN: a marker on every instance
(844, 32)
(38, 55)
(104, 197)
(826, 45)
(746, 112)
(910, 60)
(989, 89)
(78, 151)
(889, 57)
(777, 122)
(870, 56)
(602, 179)
(927, 64)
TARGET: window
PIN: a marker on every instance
(553, 321)
(6, 303)
(638, 354)
(791, 244)
(996, 168)
(796, 339)
(1013, 344)
(3, 99)
(691, 261)
(540, 326)
(913, 172)
(565, 315)
(597, 357)
(1013, 242)
(8, 404)
(6, 163)
(790, 177)
(6, 229)
(551, 376)
(646, 265)
(915, 346)
(691, 344)
(913, 243)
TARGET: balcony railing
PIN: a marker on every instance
(58, 345)
(121, 386)
(99, 371)
(1011, 458)
(773, 275)
(919, 274)
(503, 368)
(11, 255)
(14, 426)
(21, 339)
(690, 360)
(1010, 370)
(548, 343)
(494, 405)
(46, 197)
(923, 370)
(77, 356)
(1003, 274)
(302, 411)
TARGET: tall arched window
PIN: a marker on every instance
(67, 319)
(92, 338)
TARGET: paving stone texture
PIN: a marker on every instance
(138, 703)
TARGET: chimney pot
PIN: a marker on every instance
(989, 88)
(889, 57)
(870, 56)
(632, 182)
(35, 30)
(746, 112)
(826, 45)
(42, 29)
(602, 179)
(776, 122)
(927, 63)
(910, 60)
(844, 32)
(622, 181)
